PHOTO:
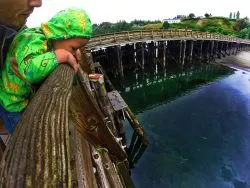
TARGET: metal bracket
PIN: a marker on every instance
(116, 100)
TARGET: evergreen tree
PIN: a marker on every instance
(191, 16)
(230, 15)
(234, 16)
(166, 25)
(207, 15)
(238, 15)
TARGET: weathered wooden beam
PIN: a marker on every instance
(135, 53)
(136, 126)
(165, 43)
(111, 171)
(102, 179)
(2, 148)
(142, 55)
(91, 122)
(81, 160)
(86, 60)
(183, 53)
(180, 52)
(103, 101)
(191, 51)
(212, 51)
(38, 151)
(119, 61)
(201, 49)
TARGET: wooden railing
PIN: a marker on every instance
(159, 34)
(38, 151)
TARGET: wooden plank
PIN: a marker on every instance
(101, 175)
(2, 148)
(38, 151)
(103, 101)
(81, 163)
(111, 171)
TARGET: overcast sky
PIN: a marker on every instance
(128, 10)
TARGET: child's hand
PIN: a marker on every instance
(63, 56)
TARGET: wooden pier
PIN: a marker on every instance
(150, 49)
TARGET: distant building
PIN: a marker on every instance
(172, 20)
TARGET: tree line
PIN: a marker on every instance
(239, 27)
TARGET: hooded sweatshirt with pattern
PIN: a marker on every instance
(35, 57)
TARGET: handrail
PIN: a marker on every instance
(159, 34)
(38, 151)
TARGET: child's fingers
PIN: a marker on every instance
(73, 63)
(78, 55)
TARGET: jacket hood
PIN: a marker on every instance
(69, 23)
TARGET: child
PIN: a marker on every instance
(38, 51)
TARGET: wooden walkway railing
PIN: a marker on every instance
(159, 34)
(38, 152)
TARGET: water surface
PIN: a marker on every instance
(199, 132)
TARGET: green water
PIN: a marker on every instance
(198, 125)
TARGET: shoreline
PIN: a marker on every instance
(239, 61)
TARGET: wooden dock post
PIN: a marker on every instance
(191, 51)
(223, 49)
(119, 61)
(184, 52)
(229, 48)
(212, 51)
(135, 53)
(226, 48)
(218, 50)
(180, 52)
(142, 55)
(207, 50)
(164, 54)
(156, 49)
(201, 49)
(234, 48)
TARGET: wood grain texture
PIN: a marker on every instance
(81, 160)
(38, 151)
(111, 171)
(2, 148)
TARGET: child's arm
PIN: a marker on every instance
(35, 62)
(64, 56)
(37, 68)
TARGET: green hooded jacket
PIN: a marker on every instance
(34, 54)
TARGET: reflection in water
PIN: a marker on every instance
(198, 140)
(146, 91)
